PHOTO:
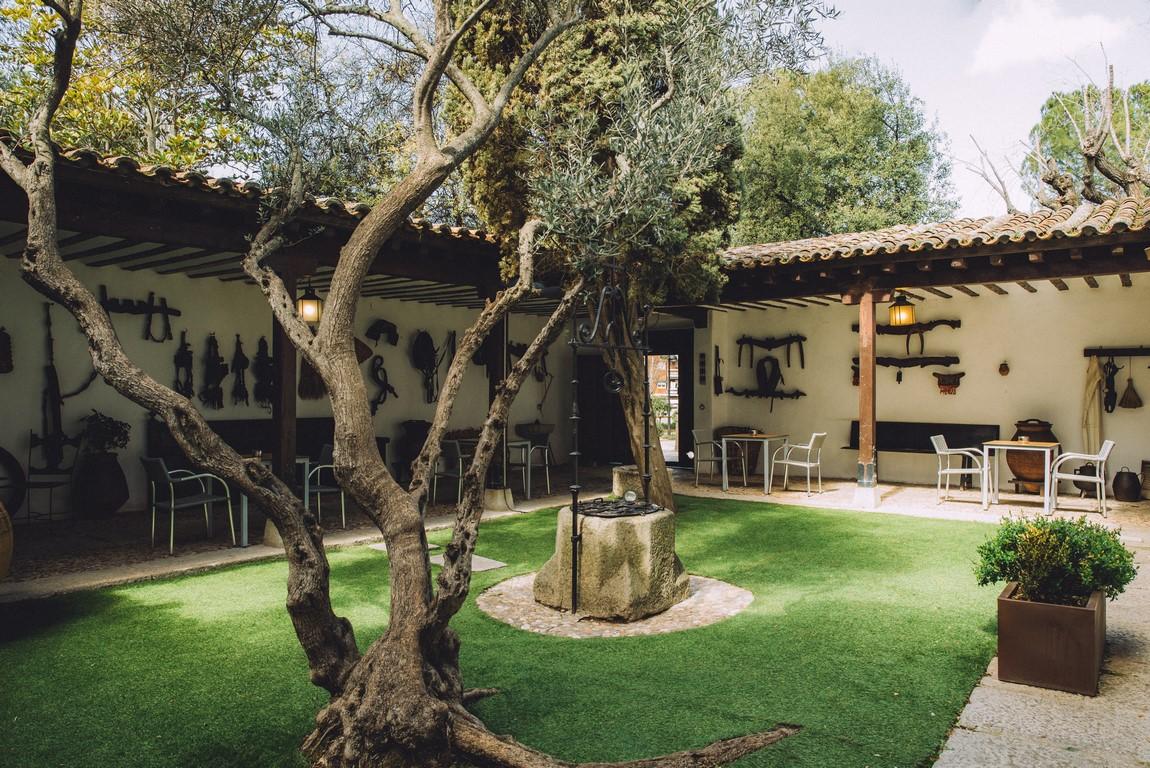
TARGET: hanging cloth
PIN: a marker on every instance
(240, 365)
(1092, 408)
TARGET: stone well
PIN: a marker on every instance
(628, 568)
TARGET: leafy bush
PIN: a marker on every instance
(1056, 560)
(103, 434)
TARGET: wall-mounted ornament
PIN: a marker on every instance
(427, 358)
(769, 343)
(184, 361)
(379, 376)
(383, 329)
(1004, 368)
(914, 329)
(718, 377)
(149, 308)
(240, 365)
(6, 365)
(263, 368)
(1130, 397)
(702, 369)
(215, 371)
(948, 382)
(1110, 371)
(909, 362)
(769, 374)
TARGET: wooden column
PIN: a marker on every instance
(284, 405)
(867, 491)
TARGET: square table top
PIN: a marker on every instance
(1035, 444)
(755, 436)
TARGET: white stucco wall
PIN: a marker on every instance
(1040, 335)
(229, 308)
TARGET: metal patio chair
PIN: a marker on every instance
(715, 454)
(1098, 479)
(317, 487)
(946, 470)
(450, 465)
(162, 484)
(812, 453)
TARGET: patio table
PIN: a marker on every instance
(752, 437)
(990, 475)
(525, 446)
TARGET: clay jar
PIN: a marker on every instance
(1027, 466)
(1127, 486)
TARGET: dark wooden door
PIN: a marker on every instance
(602, 429)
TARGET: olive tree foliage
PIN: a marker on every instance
(117, 102)
(845, 148)
(623, 142)
(400, 701)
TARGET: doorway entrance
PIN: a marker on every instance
(663, 371)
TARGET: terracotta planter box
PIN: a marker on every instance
(1051, 646)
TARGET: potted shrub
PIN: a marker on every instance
(1052, 612)
(99, 487)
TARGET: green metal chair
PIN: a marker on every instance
(162, 484)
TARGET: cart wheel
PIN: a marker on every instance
(13, 483)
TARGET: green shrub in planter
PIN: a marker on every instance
(1056, 561)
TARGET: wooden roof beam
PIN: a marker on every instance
(1060, 284)
(1091, 281)
(1027, 287)
(995, 288)
(1125, 280)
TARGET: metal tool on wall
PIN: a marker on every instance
(769, 376)
(1110, 371)
(379, 376)
(6, 365)
(770, 343)
(149, 308)
(52, 438)
(718, 377)
(240, 365)
(215, 371)
(184, 362)
(264, 370)
(427, 359)
(914, 329)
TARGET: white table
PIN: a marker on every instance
(990, 474)
(747, 438)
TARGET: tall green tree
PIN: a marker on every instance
(1090, 143)
(843, 149)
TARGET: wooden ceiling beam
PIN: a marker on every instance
(1060, 284)
(1091, 281)
(995, 288)
(966, 289)
(937, 292)
(1027, 287)
(1124, 278)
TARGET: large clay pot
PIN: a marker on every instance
(1028, 466)
(5, 542)
(1127, 486)
(99, 487)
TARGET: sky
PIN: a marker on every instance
(984, 67)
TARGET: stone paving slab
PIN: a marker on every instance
(710, 601)
(978, 749)
(478, 563)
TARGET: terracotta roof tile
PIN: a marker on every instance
(1086, 220)
(191, 179)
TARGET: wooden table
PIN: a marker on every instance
(990, 476)
(752, 437)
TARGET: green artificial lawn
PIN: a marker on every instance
(866, 629)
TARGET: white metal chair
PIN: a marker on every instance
(450, 465)
(946, 470)
(715, 454)
(812, 459)
(317, 487)
(1099, 479)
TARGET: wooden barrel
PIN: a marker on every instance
(5, 542)
(1027, 466)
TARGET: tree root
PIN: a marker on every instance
(472, 695)
(471, 740)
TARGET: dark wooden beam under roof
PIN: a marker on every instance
(966, 289)
(1125, 280)
(996, 289)
(936, 291)
(1027, 287)
(1060, 284)
(1091, 281)
(853, 276)
(140, 209)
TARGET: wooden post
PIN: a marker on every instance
(866, 493)
(283, 409)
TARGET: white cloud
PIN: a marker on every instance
(1034, 31)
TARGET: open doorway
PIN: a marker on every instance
(664, 375)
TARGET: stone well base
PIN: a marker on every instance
(628, 568)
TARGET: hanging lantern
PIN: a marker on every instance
(901, 311)
(309, 306)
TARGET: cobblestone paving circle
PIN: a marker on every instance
(710, 601)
